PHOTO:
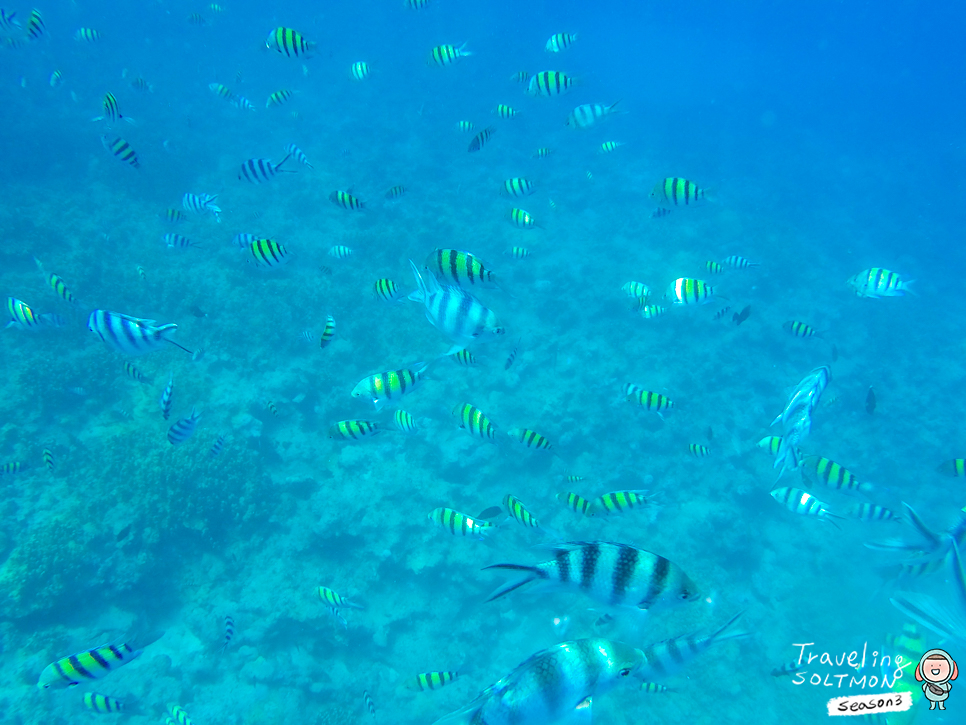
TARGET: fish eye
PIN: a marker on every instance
(625, 672)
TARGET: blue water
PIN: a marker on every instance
(829, 140)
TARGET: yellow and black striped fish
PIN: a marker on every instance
(346, 200)
(22, 315)
(132, 372)
(463, 357)
(353, 429)
(607, 146)
(480, 139)
(395, 192)
(699, 451)
(519, 252)
(430, 681)
(392, 384)
(649, 312)
(549, 83)
(459, 267)
(518, 512)
(865, 511)
(11, 467)
(518, 186)
(878, 282)
(174, 215)
(91, 664)
(404, 421)
(689, 291)
(576, 503)
(48, 458)
(654, 402)
(616, 502)
(521, 76)
(339, 251)
(833, 475)
(112, 111)
(56, 283)
(521, 218)
(35, 25)
(386, 290)
(87, 35)
(335, 600)
(289, 42)
(474, 421)
(638, 290)
(102, 703)
(542, 152)
(506, 112)
(178, 716)
(955, 467)
(360, 70)
(530, 438)
(221, 90)
(122, 150)
(464, 126)
(267, 253)
(713, 267)
(459, 524)
(772, 444)
(678, 192)
(279, 97)
(443, 55)
(560, 41)
(329, 332)
(799, 329)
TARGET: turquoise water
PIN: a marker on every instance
(829, 143)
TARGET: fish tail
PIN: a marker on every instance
(909, 290)
(532, 574)
(720, 636)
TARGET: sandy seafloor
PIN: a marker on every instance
(254, 532)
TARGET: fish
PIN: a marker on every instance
(370, 706)
(339, 251)
(505, 112)
(466, 359)
(112, 111)
(279, 97)
(395, 192)
(721, 313)
(430, 680)
(480, 139)
(268, 253)
(518, 186)
(459, 524)
(336, 600)
(664, 658)
(689, 291)
(122, 150)
(132, 372)
(455, 312)
(22, 315)
(542, 153)
(739, 317)
(878, 282)
(616, 502)
(637, 290)
(955, 467)
(243, 103)
(510, 359)
(290, 43)
(174, 216)
(217, 446)
(464, 126)
(139, 84)
(801, 502)
(102, 703)
(183, 428)
(576, 503)
(443, 55)
(660, 212)
(48, 458)
(806, 395)
(346, 200)
(654, 688)
(530, 438)
(201, 203)
(608, 146)
(870, 401)
(229, 631)
(699, 451)
(328, 332)
(474, 421)
(833, 475)
(197, 19)
(519, 252)
(56, 78)
(518, 512)
(789, 668)
(360, 70)
(461, 267)
(178, 716)
(393, 384)
(177, 241)
(243, 240)
(166, 396)
(56, 283)
(799, 329)
(649, 312)
(386, 290)
(589, 114)
(713, 267)
(560, 41)
(737, 262)
(404, 422)
(354, 429)
(521, 218)
(35, 29)
(11, 467)
(677, 192)
(131, 335)
(87, 35)
(258, 171)
(610, 573)
(549, 83)
(88, 665)
(654, 402)
(272, 409)
(865, 511)
(521, 76)
(8, 21)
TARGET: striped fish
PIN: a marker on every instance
(954, 467)
(130, 335)
(386, 290)
(243, 240)
(393, 384)
(279, 97)
(395, 192)
(89, 665)
(328, 332)
(132, 372)
(87, 35)
(460, 267)
(35, 25)
(258, 171)
(636, 289)
(178, 715)
(242, 103)
(677, 192)
(465, 358)
(459, 524)
(102, 703)
(112, 111)
(296, 153)
(354, 429)
(177, 241)
(336, 600)
(649, 312)
(166, 395)
(530, 438)
(521, 218)
(216, 449)
(542, 153)
(367, 701)
(339, 251)
(737, 262)
(589, 114)
(607, 146)
(139, 84)
(616, 502)
(443, 55)
(878, 282)
(549, 83)
(200, 203)
(48, 458)
(480, 139)
(267, 253)
(519, 252)
(518, 512)
(560, 41)
(56, 283)
(183, 428)
(430, 681)
(289, 42)
(654, 402)
(464, 126)
(833, 475)
(455, 312)
(865, 511)
(346, 200)
(803, 503)
(518, 187)
(576, 503)
(11, 467)
(174, 216)
(689, 291)
(229, 631)
(404, 421)
(360, 70)
(699, 451)
(614, 574)
(56, 77)
(506, 112)
(222, 91)
(660, 212)
(122, 150)
(798, 329)
(474, 421)
(663, 659)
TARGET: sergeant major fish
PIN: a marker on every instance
(89, 665)
(130, 335)
(392, 384)
(455, 312)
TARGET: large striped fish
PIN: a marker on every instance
(130, 335)
(616, 574)
(84, 666)
(454, 311)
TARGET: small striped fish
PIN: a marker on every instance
(866, 511)
(175, 216)
(200, 203)
(689, 291)
(699, 451)
(798, 329)
(360, 70)
(608, 146)
(576, 503)
(464, 126)
(616, 502)
(506, 112)
(549, 83)
(122, 150)
(367, 701)
(267, 253)
(229, 631)
(87, 35)
(354, 429)
(677, 192)
(443, 55)
(474, 421)
(166, 396)
(518, 512)
(221, 90)
(339, 251)
(459, 267)
(132, 372)
(112, 111)
(464, 357)
(386, 290)
(296, 153)
(521, 218)
(178, 715)
(459, 524)
(102, 703)
(833, 475)
(803, 503)
(518, 187)
(395, 192)
(346, 200)
(217, 446)
(130, 335)
(328, 332)
(480, 139)
(878, 282)
(530, 438)
(737, 262)
(22, 315)
(654, 402)
(392, 384)
(430, 681)
(48, 458)
(258, 171)
(289, 42)
(560, 41)
(177, 241)
(404, 422)
(519, 252)
(35, 25)
(183, 428)
(279, 97)
(589, 114)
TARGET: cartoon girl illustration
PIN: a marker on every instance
(935, 669)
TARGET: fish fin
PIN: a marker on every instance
(908, 290)
(931, 613)
(917, 522)
(532, 574)
(466, 715)
(720, 636)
